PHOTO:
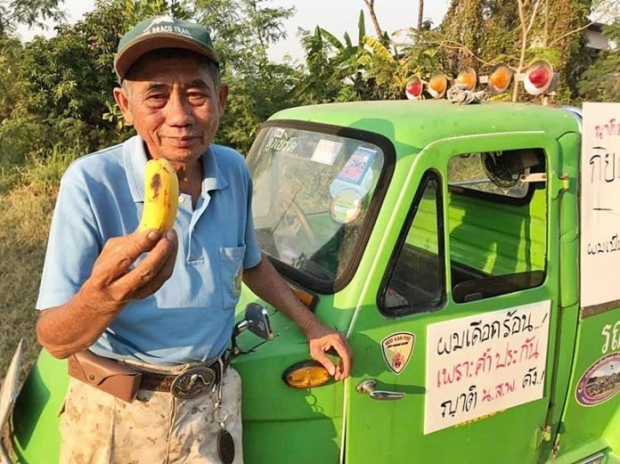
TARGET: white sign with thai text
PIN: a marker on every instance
(478, 365)
(600, 203)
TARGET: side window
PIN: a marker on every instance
(497, 213)
(415, 282)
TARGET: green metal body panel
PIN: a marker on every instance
(35, 417)
(599, 423)
(335, 423)
(271, 409)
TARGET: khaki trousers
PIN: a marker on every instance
(98, 428)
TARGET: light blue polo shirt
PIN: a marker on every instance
(190, 318)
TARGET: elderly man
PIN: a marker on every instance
(135, 311)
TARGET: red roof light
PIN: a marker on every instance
(538, 77)
(413, 88)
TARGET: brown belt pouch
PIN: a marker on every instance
(105, 374)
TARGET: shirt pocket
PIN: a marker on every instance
(232, 274)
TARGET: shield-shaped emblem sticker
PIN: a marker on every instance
(397, 349)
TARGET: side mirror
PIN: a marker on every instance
(256, 320)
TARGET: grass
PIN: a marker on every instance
(27, 197)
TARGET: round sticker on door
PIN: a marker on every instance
(600, 382)
(346, 207)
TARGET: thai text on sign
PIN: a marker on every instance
(486, 363)
(600, 207)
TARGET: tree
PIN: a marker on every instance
(338, 70)
(420, 15)
(243, 30)
(10, 49)
(61, 88)
(526, 21)
(485, 32)
(64, 87)
(463, 27)
(58, 92)
(322, 82)
(29, 12)
(370, 4)
(601, 81)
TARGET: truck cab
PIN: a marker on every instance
(456, 246)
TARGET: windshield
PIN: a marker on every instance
(312, 194)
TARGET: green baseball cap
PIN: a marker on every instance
(162, 32)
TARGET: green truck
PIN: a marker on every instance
(469, 252)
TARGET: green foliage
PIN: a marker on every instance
(134, 11)
(29, 12)
(344, 71)
(252, 101)
(242, 31)
(383, 69)
(463, 26)
(10, 48)
(483, 33)
(566, 37)
(21, 135)
(10, 176)
(319, 83)
(57, 92)
(601, 81)
(44, 173)
(64, 86)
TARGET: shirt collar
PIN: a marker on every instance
(212, 178)
(135, 158)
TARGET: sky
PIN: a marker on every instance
(336, 16)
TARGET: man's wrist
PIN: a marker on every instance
(310, 326)
(91, 301)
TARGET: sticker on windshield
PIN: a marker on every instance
(280, 141)
(355, 170)
(356, 174)
(279, 132)
(600, 382)
(326, 151)
(397, 349)
(346, 207)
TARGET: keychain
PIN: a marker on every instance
(225, 443)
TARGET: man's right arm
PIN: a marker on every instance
(113, 283)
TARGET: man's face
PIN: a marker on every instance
(174, 105)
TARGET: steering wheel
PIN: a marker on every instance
(301, 217)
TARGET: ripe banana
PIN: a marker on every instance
(161, 196)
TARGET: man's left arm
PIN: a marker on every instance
(265, 281)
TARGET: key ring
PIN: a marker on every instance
(220, 415)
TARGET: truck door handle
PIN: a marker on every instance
(368, 386)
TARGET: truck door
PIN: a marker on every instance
(454, 355)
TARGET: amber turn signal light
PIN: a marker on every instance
(306, 374)
(500, 79)
(306, 298)
(437, 85)
(468, 78)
